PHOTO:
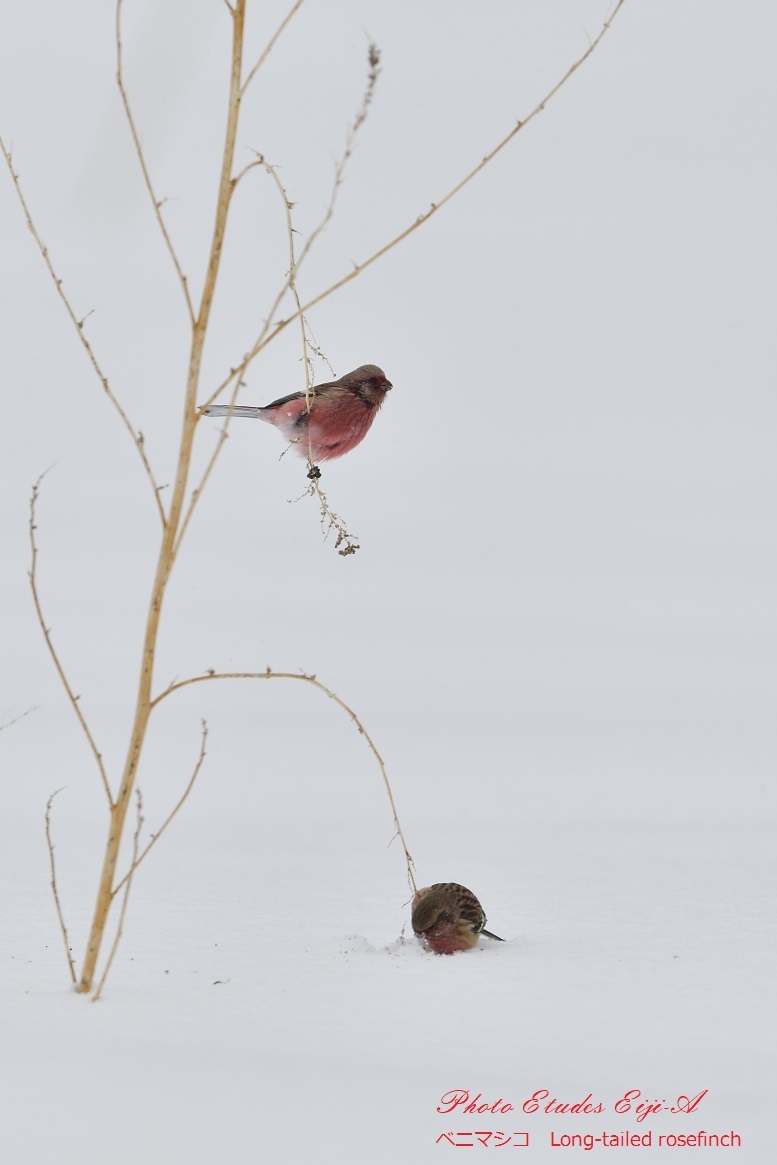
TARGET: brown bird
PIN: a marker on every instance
(448, 918)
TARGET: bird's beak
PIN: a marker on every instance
(387, 385)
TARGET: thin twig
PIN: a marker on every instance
(157, 204)
(265, 336)
(197, 491)
(373, 59)
(260, 161)
(54, 891)
(271, 45)
(292, 283)
(304, 677)
(292, 280)
(345, 543)
(156, 836)
(74, 700)
(16, 719)
(329, 519)
(78, 324)
(127, 888)
(209, 467)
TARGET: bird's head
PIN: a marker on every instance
(433, 914)
(369, 382)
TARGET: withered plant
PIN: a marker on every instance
(287, 309)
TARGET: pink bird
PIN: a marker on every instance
(447, 917)
(340, 415)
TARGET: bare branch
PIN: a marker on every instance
(60, 916)
(156, 836)
(373, 59)
(74, 700)
(166, 558)
(262, 162)
(269, 333)
(271, 45)
(269, 674)
(175, 521)
(127, 888)
(16, 719)
(197, 491)
(156, 203)
(329, 519)
(78, 324)
(257, 162)
(292, 285)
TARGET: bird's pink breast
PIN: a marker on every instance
(337, 422)
(448, 944)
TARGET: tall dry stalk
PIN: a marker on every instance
(168, 547)
(175, 519)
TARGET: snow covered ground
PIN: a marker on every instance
(559, 630)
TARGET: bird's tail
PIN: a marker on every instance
(495, 937)
(233, 411)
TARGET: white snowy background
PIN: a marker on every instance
(559, 629)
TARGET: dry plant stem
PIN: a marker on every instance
(125, 900)
(172, 521)
(268, 334)
(16, 719)
(260, 161)
(54, 891)
(292, 282)
(74, 700)
(197, 491)
(155, 837)
(330, 521)
(289, 282)
(340, 168)
(137, 436)
(144, 169)
(168, 547)
(303, 677)
(271, 45)
(489, 157)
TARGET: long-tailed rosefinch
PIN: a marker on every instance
(340, 413)
(449, 918)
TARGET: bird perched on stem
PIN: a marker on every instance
(339, 416)
(448, 918)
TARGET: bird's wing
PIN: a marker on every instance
(285, 400)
